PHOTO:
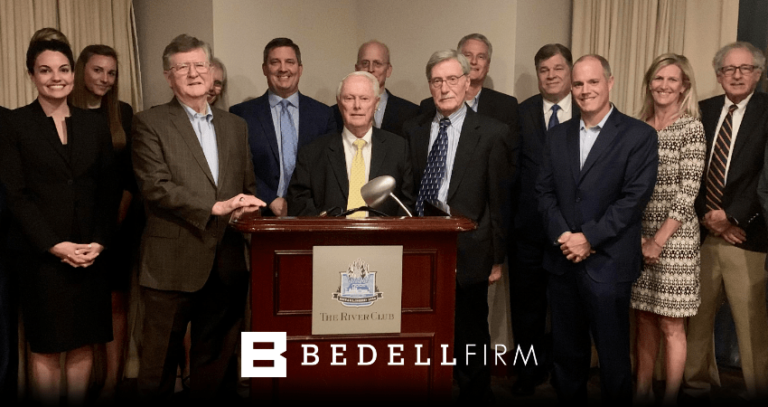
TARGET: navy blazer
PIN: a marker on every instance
(397, 112)
(533, 138)
(740, 199)
(315, 119)
(604, 200)
(320, 181)
(481, 172)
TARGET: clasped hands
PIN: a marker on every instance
(718, 224)
(77, 254)
(575, 246)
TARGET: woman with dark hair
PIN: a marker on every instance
(56, 165)
(96, 88)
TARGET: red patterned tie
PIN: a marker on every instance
(716, 173)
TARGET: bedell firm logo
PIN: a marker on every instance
(254, 351)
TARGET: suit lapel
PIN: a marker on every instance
(709, 121)
(538, 120)
(389, 110)
(420, 146)
(572, 149)
(264, 114)
(607, 134)
(180, 120)
(335, 156)
(47, 130)
(378, 154)
(485, 106)
(222, 145)
(464, 150)
(306, 121)
(746, 129)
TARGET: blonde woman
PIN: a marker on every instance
(668, 287)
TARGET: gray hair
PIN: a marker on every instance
(444, 55)
(601, 59)
(371, 42)
(184, 43)
(374, 82)
(758, 58)
(480, 37)
(220, 65)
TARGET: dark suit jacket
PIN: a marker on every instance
(481, 171)
(182, 238)
(4, 127)
(57, 193)
(398, 110)
(315, 119)
(604, 200)
(533, 138)
(320, 181)
(740, 198)
(497, 105)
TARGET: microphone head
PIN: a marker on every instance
(377, 190)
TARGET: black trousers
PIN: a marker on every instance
(528, 305)
(583, 307)
(473, 372)
(9, 328)
(215, 313)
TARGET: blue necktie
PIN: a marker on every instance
(289, 142)
(435, 171)
(553, 119)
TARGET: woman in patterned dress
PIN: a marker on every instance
(668, 288)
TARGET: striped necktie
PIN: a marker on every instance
(435, 170)
(716, 173)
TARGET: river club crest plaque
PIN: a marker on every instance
(356, 289)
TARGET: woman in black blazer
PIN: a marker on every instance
(96, 89)
(56, 164)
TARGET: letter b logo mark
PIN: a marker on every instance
(249, 354)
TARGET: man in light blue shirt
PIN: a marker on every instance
(280, 122)
(596, 177)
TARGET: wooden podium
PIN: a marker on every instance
(281, 259)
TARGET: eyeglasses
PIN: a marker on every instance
(437, 83)
(183, 69)
(744, 69)
(376, 64)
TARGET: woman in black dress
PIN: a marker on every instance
(57, 166)
(96, 89)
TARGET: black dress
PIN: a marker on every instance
(121, 255)
(59, 193)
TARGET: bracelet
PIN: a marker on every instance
(657, 243)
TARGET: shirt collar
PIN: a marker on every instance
(455, 116)
(741, 105)
(564, 103)
(600, 125)
(274, 99)
(477, 97)
(349, 138)
(192, 114)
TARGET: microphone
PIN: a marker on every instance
(376, 191)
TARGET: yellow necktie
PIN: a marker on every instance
(357, 180)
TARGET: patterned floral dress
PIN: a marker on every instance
(671, 286)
